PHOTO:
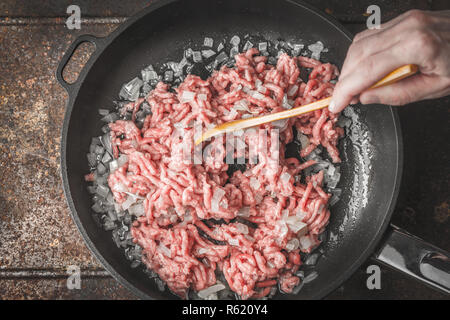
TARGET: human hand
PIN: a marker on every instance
(415, 37)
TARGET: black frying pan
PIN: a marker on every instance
(372, 164)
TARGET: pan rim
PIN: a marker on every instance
(73, 93)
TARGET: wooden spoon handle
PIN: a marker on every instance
(397, 75)
(231, 126)
(394, 76)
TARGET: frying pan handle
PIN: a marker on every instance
(414, 257)
(97, 42)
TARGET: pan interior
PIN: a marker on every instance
(370, 152)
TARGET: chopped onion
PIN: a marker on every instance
(331, 170)
(136, 209)
(101, 169)
(208, 53)
(233, 113)
(321, 165)
(99, 150)
(197, 56)
(249, 238)
(202, 97)
(262, 46)
(106, 158)
(233, 242)
(208, 42)
(122, 160)
(257, 95)
(296, 225)
(173, 218)
(234, 51)
(242, 228)
(111, 117)
(187, 96)
(286, 104)
(254, 183)
(100, 179)
(283, 229)
(92, 159)
(285, 177)
(186, 219)
(97, 207)
(205, 293)
(224, 204)
(337, 192)
(117, 207)
(281, 124)
(336, 196)
(316, 49)
(304, 140)
(102, 191)
(110, 199)
(103, 112)
(292, 90)
(301, 214)
(113, 166)
(235, 40)
(300, 274)
(244, 212)
(312, 259)
(310, 277)
(127, 204)
(135, 196)
(212, 296)
(222, 57)
(297, 49)
(217, 196)
(258, 83)
(306, 244)
(297, 289)
(292, 244)
(241, 105)
(165, 250)
(333, 200)
(106, 142)
(120, 187)
(247, 46)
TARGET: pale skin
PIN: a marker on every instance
(415, 37)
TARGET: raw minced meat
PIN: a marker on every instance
(198, 220)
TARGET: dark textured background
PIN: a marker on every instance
(38, 239)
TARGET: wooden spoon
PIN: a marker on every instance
(231, 126)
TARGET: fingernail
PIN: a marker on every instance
(332, 107)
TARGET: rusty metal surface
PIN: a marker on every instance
(47, 289)
(36, 229)
(57, 8)
(38, 239)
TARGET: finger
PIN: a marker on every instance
(398, 29)
(358, 52)
(365, 75)
(354, 101)
(415, 88)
